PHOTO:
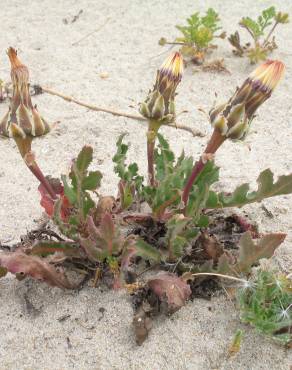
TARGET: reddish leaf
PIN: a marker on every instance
(37, 268)
(104, 240)
(171, 289)
(251, 252)
(48, 203)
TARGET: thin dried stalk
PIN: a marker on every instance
(40, 89)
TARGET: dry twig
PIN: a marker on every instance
(41, 89)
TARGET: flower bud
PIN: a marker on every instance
(159, 105)
(21, 111)
(233, 119)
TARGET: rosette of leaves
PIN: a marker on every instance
(261, 31)
(164, 200)
(197, 35)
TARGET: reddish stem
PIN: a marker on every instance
(34, 168)
(24, 147)
(215, 142)
(150, 155)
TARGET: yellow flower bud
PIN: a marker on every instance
(160, 101)
(233, 119)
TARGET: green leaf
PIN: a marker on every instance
(126, 194)
(81, 183)
(203, 221)
(171, 176)
(88, 203)
(164, 158)
(84, 159)
(69, 191)
(200, 31)
(45, 248)
(120, 157)
(266, 188)
(266, 18)
(253, 27)
(201, 189)
(92, 180)
(146, 251)
(130, 184)
(180, 231)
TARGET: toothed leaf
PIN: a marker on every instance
(242, 195)
(250, 252)
(92, 180)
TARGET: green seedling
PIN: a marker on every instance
(261, 32)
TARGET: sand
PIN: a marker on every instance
(45, 328)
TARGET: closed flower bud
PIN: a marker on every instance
(21, 111)
(160, 101)
(233, 119)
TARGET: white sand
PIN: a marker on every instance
(198, 336)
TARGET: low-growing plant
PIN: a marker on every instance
(261, 31)
(266, 304)
(197, 36)
(163, 223)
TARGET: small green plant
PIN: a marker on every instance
(261, 31)
(266, 304)
(198, 35)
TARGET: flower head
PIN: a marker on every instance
(22, 117)
(233, 119)
(159, 104)
(169, 75)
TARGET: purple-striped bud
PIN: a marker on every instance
(233, 119)
(159, 104)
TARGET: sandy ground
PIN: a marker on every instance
(34, 336)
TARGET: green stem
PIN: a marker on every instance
(79, 194)
(151, 137)
(270, 34)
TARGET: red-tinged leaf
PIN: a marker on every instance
(93, 253)
(106, 236)
(170, 289)
(107, 231)
(47, 247)
(251, 252)
(20, 263)
(48, 203)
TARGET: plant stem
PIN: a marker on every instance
(150, 156)
(151, 137)
(24, 147)
(250, 32)
(220, 275)
(34, 168)
(175, 43)
(39, 89)
(270, 33)
(215, 142)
